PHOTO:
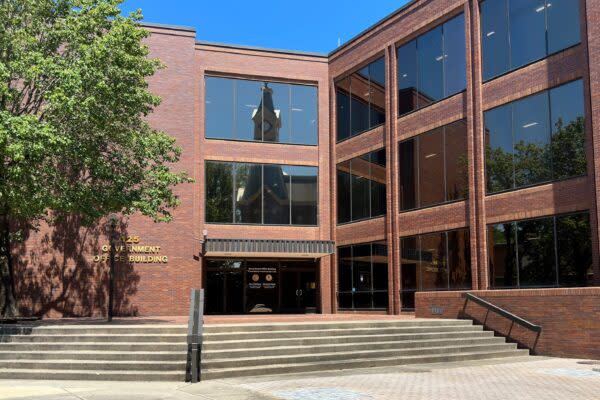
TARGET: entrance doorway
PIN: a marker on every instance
(260, 286)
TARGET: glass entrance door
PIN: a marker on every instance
(298, 291)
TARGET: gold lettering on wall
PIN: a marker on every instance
(133, 252)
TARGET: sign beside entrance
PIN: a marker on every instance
(133, 251)
(262, 277)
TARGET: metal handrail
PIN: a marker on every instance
(514, 318)
(194, 337)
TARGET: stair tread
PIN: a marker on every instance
(94, 352)
(378, 329)
(71, 361)
(349, 322)
(339, 362)
(508, 346)
(91, 372)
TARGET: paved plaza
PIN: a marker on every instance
(533, 378)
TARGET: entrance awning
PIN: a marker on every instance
(268, 248)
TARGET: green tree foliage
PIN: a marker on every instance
(73, 133)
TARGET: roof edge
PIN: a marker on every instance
(168, 26)
(265, 49)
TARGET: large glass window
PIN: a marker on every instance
(269, 194)
(536, 139)
(361, 187)
(238, 109)
(434, 261)
(433, 167)
(546, 252)
(363, 276)
(519, 32)
(361, 100)
(432, 66)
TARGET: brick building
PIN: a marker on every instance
(449, 147)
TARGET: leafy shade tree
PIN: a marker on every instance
(73, 133)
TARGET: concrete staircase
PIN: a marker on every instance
(279, 348)
(94, 352)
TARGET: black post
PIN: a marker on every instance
(195, 330)
(111, 268)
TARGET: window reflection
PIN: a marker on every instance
(432, 67)
(363, 276)
(361, 187)
(267, 194)
(361, 100)
(527, 144)
(518, 32)
(434, 261)
(239, 109)
(545, 252)
(433, 167)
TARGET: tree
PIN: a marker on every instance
(73, 134)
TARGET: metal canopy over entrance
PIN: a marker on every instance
(268, 248)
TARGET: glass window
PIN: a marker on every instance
(277, 194)
(536, 139)
(270, 194)
(531, 140)
(361, 100)
(363, 276)
(545, 252)
(361, 187)
(494, 38)
(433, 167)
(434, 261)
(563, 24)
(304, 194)
(219, 192)
(432, 67)
(568, 131)
(518, 32)
(219, 106)
(241, 109)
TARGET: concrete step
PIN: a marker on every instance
(243, 335)
(93, 365)
(350, 355)
(157, 356)
(286, 326)
(109, 338)
(286, 368)
(342, 347)
(109, 330)
(92, 375)
(312, 341)
(93, 346)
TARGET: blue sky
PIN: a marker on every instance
(307, 25)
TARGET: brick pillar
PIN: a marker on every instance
(476, 149)
(392, 193)
(333, 183)
(590, 32)
(325, 285)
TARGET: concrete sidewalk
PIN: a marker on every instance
(531, 378)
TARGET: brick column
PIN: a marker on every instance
(476, 148)
(333, 183)
(590, 39)
(392, 183)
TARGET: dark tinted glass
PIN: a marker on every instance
(343, 109)
(380, 266)
(362, 268)
(499, 149)
(527, 31)
(345, 269)
(277, 193)
(568, 130)
(378, 180)
(360, 192)
(459, 259)
(494, 38)
(455, 67)
(304, 194)
(563, 24)
(219, 192)
(248, 96)
(431, 57)
(535, 239)
(457, 173)
(531, 140)
(304, 115)
(431, 168)
(408, 92)
(574, 249)
(361, 100)
(434, 272)
(248, 193)
(503, 257)
(344, 205)
(409, 174)
(219, 108)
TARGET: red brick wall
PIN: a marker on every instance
(570, 318)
